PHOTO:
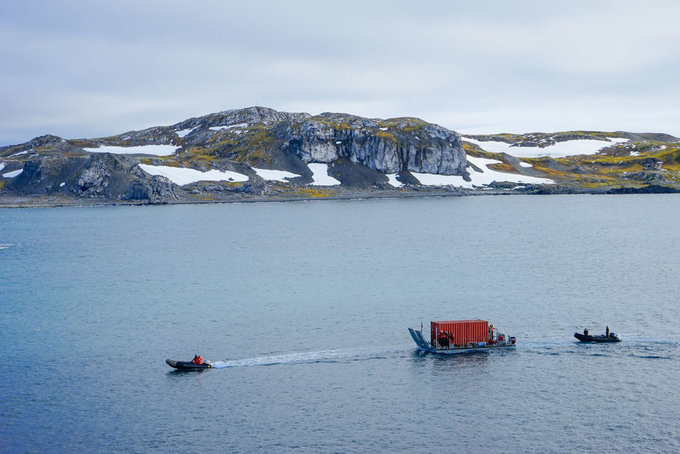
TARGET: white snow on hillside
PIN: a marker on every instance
(487, 176)
(2, 165)
(275, 175)
(393, 180)
(184, 132)
(155, 150)
(183, 175)
(321, 177)
(222, 128)
(558, 150)
(12, 174)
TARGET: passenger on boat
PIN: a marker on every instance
(197, 360)
(443, 339)
(585, 332)
(607, 331)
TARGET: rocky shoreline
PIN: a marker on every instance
(338, 195)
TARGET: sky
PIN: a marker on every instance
(96, 68)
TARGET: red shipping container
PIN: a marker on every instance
(464, 332)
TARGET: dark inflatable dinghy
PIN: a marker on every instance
(601, 338)
(188, 365)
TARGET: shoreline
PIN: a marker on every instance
(15, 201)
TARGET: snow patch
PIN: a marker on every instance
(275, 175)
(488, 176)
(483, 178)
(2, 165)
(18, 154)
(183, 175)
(62, 185)
(155, 150)
(430, 179)
(184, 132)
(393, 180)
(222, 128)
(558, 150)
(12, 174)
(525, 164)
(320, 175)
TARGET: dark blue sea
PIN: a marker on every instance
(304, 309)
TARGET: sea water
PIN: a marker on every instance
(304, 308)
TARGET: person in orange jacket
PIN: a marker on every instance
(199, 360)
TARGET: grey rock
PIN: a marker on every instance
(94, 179)
(158, 191)
(388, 146)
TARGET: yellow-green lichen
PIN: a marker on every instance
(314, 193)
(386, 135)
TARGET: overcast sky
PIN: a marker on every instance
(96, 68)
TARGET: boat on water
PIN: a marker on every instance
(461, 336)
(611, 337)
(188, 365)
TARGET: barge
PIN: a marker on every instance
(461, 336)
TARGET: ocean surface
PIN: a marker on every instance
(304, 309)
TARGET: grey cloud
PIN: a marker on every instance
(79, 69)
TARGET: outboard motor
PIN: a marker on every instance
(513, 340)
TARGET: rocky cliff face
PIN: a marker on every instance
(388, 146)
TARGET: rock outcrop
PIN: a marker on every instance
(104, 176)
(387, 146)
(158, 190)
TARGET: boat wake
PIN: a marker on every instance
(323, 356)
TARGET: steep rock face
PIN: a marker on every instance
(388, 146)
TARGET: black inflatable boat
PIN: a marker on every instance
(187, 365)
(601, 338)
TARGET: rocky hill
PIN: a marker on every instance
(261, 154)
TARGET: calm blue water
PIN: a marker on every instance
(304, 307)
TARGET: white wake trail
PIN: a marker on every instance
(310, 357)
